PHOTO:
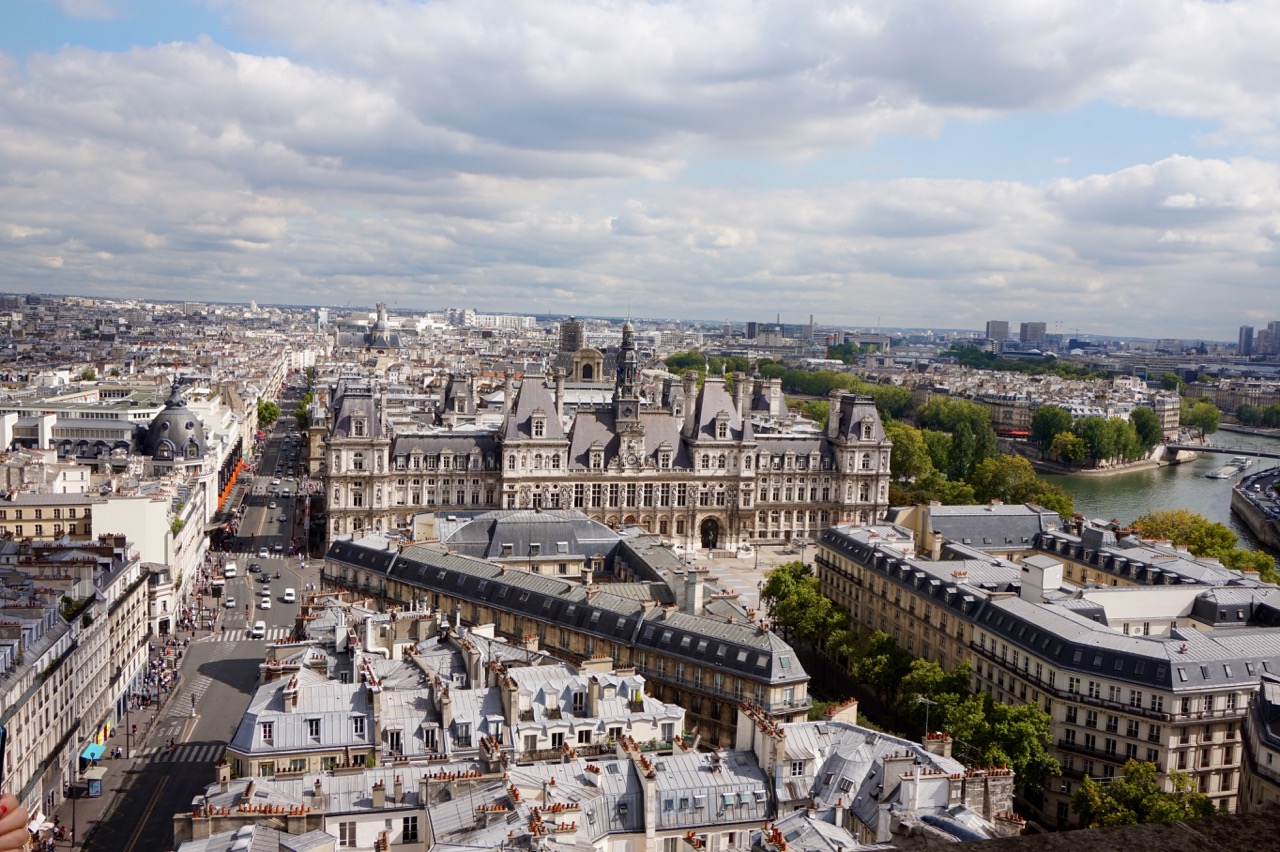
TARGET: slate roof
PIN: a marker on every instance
(533, 397)
(555, 532)
(999, 526)
(753, 653)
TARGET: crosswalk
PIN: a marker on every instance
(274, 634)
(185, 753)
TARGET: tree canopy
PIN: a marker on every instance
(1138, 797)
(1012, 479)
(1201, 414)
(1047, 422)
(1206, 538)
(268, 413)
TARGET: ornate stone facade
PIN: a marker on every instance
(707, 468)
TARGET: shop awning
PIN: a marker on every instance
(93, 751)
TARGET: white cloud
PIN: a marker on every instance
(100, 10)
(536, 153)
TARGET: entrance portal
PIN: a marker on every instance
(710, 530)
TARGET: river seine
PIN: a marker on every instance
(1126, 496)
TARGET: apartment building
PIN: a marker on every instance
(48, 516)
(446, 695)
(1161, 673)
(73, 645)
(705, 655)
(1260, 773)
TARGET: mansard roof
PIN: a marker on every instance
(356, 402)
(739, 647)
(488, 535)
(711, 401)
(433, 443)
(532, 398)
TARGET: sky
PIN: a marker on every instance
(1104, 167)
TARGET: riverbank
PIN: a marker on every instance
(1042, 465)
(1260, 431)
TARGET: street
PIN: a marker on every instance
(218, 673)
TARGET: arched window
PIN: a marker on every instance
(511, 462)
(357, 461)
(864, 491)
(722, 461)
(537, 461)
(555, 461)
(866, 461)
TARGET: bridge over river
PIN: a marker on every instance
(1227, 451)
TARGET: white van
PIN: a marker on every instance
(290, 596)
(230, 570)
(259, 630)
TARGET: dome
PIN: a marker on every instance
(175, 434)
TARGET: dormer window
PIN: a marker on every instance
(597, 458)
(664, 459)
(866, 431)
(722, 426)
(539, 425)
(357, 427)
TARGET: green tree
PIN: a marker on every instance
(1017, 735)
(1069, 447)
(1147, 424)
(793, 598)
(1012, 479)
(268, 413)
(88, 374)
(1139, 797)
(1252, 560)
(1098, 437)
(943, 692)
(939, 446)
(682, 362)
(1202, 415)
(1172, 382)
(910, 459)
(1181, 526)
(881, 663)
(815, 409)
(1047, 422)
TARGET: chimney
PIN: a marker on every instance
(423, 789)
(559, 376)
(508, 394)
(693, 591)
(224, 776)
(741, 395)
(690, 401)
(593, 697)
(833, 417)
(839, 813)
(937, 742)
(397, 791)
(379, 794)
(320, 800)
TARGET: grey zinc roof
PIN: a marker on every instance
(711, 401)
(556, 532)
(997, 526)
(533, 397)
(332, 702)
(1187, 660)
(592, 611)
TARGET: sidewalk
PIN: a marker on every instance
(82, 814)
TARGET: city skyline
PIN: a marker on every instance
(901, 166)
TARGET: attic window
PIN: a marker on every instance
(440, 575)
(507, 549)
(1226, 669)
(535, 548)
(760, 661)
(1097, 659)
(784, 661)
(742, 656)
(1160, 672)
(1077, 656)
(845, 785)
(595, 616)
(622, 623)
(1250, 668)
(1204, 672)
(524, 596)
(568, 613)
(686, 641)
(666, 637)
(482, 586)
(1182, 674)
(562, 547)
(702, 645)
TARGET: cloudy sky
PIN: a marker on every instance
(1111, 167)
